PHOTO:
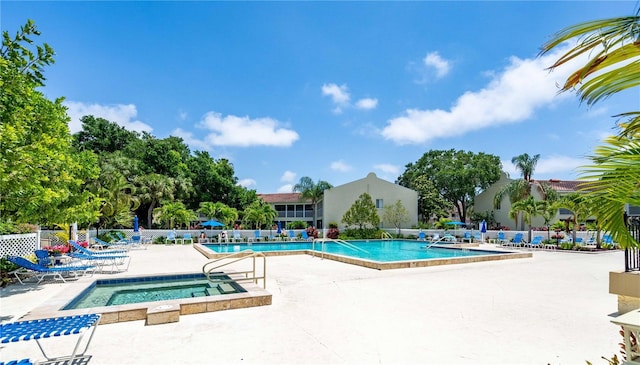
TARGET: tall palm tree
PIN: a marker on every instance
(526, 164)
(173, 214)
(612, 66)
(529, 207)
(312, 191)
(154, 188)
(579, 205)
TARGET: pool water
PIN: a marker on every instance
(104, 293)
(375, 250)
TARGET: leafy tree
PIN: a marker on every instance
(396, 215)
(172, 214)
(119, 202)
(312, 191)
(362, 213)
(579, 205)
(259, 213)
(100, 135)
(612, 66)
(215, 181)
(529, 207)
(41, 175)
(224, 213)
(154, 188)
(526, 164)
(430, 202)
(457, 175)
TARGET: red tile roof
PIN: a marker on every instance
(564, 186)
(282, 198)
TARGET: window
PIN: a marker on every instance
(379, 203)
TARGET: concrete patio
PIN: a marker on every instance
(553, 308)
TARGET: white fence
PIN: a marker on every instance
(19, 244)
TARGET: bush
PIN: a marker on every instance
(364, 233)
(297, 225)
(9, 227)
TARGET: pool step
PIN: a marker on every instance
(226, 288)
(197, 294)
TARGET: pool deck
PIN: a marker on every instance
(552, 308)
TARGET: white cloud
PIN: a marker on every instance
(190, 140)
(511, 96)
(287, 188)
(123, 115)
(288, 176)
(182, 115)
(387, 168)
(441, 65)
(247, 183)
(245, 132)
(367, 103)
(338, 94)
(340, 166)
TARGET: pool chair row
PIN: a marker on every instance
(51, 329)
(117, 260)
(41, 271)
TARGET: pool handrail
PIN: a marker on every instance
(434, 242)
(340, 242)
(239, 256)
(385, 235)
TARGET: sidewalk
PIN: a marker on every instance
(551, 309)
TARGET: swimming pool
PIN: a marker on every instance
(378, 254)
(110, 292)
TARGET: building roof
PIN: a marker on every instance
(282, 198)
(564, 186)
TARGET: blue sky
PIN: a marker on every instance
(329, 90)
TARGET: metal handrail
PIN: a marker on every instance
(385, 235)
(340, 242)
(239, 256)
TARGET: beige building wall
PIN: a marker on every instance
(339, 199)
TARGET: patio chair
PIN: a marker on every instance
(467, 237)
(51, 328)
(518, 240)
(502, 240)
(292, 235)
(43, 257)
(187, 237)
(41, 271)
(87, 251)
(535, 243)
(305, 236)
(171, 236)
(236, 236)
(449, 238)
(422, 236)
(104, 245)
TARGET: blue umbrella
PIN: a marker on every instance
(212, 223)
(483, 226)
(456, 223)
(279, 227)
(135, 223)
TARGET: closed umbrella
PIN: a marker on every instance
(135, 223)
(279, 227)
(483, 228)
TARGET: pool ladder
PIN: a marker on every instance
(249, 275)
(340, 242)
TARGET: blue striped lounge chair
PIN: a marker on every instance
(42, 271)
(52, 328)
(535, 243)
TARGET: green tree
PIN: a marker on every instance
(457, 175)
(395, 215)
(529, 208)
(100, 135)
(579, 206)
(41, 176)
(362, 213)
(526, 164)
(152, 189)
(312, 191)
(174, 214)
(222, 212)
(259, 213)
(612, 66)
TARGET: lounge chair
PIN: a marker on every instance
(535, 243)
(422, 236)
(256, 236)
(43, 257)
(171, 236)
(517, 241)
(292, 235)
(41, 271)
(102, 259)
(187, 237)
(477, 237)
(236, 236)
(104, 245)
(449, 238)
(305, 236)
(56, 327)
(502, 240)
(467, 237)
(87, 251)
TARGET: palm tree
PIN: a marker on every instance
(612, 66)
(526, 164)
(259, 213)
(516, 190)
(154, 188)
(312, 191)
(173, 214)
(529, 207)
(579, 205)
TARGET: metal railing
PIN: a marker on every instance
(249, 275)
(346, 244)
(632, 255)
